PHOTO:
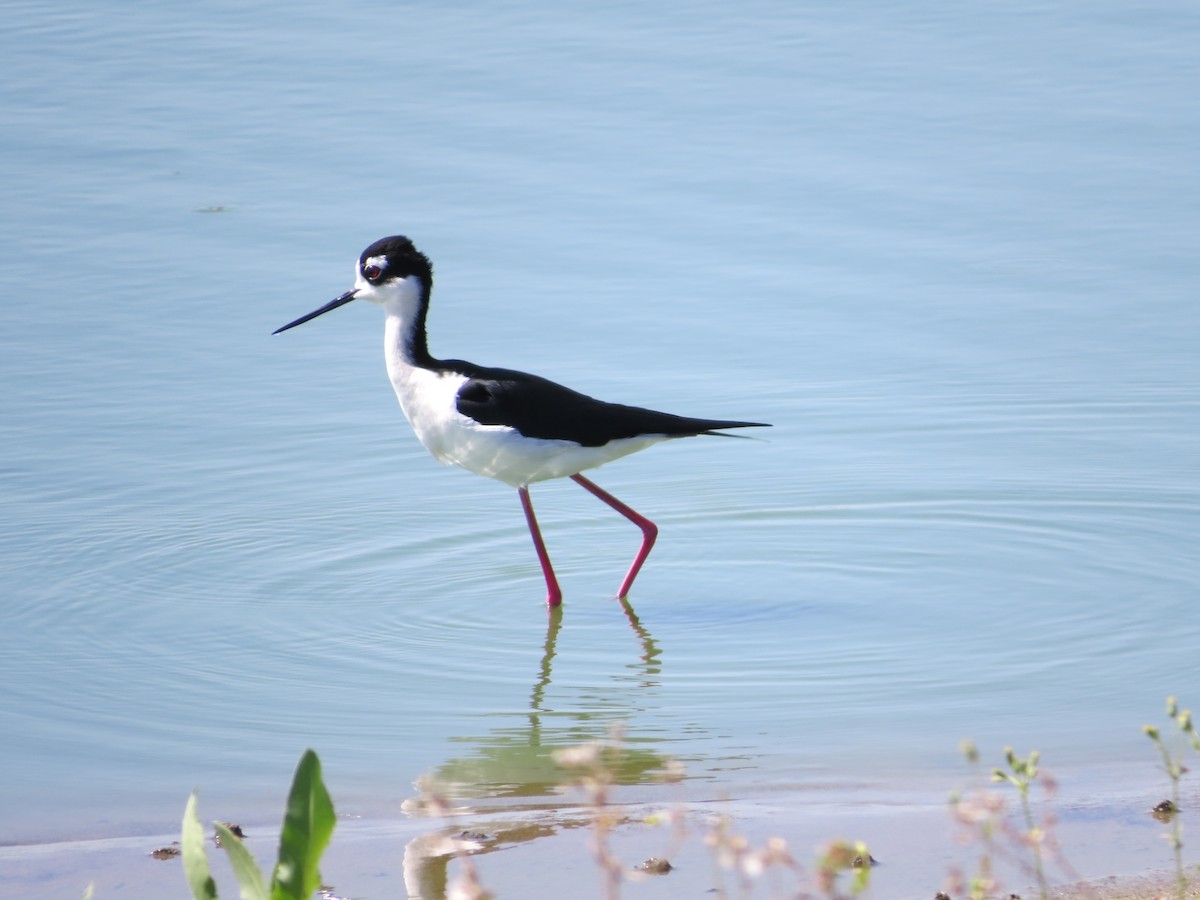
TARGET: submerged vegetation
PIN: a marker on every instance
(839, 870)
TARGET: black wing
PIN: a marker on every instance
(539, 408)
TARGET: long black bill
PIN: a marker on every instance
(332, 304)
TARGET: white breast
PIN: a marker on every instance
(429, 400)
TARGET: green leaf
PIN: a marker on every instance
(195, 862)
(307, 827)
(249, 876)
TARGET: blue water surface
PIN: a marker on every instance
(949, 252)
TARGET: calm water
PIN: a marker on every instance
(950, 254)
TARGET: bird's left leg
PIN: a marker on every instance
(649, 530)
(553, 592)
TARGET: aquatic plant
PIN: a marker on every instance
(985, 813)
(594, 768)
(1021, 774)
(1173, 753)
(307, 827)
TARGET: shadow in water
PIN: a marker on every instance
(511, 773)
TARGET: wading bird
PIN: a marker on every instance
(507, 425)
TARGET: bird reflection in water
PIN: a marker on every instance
(512, 772)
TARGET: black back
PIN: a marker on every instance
(539, 408)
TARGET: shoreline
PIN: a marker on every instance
(1115, 848)
(1153, 886)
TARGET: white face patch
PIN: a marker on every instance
(360, 282)
(399, 296)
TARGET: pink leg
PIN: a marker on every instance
(553, 593)
(649, 531)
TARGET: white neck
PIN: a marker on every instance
(426, 394)
(398, 344)
(404, 302)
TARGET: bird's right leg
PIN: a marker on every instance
(553, 592)
(649, 530)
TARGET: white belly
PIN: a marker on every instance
(497, 451)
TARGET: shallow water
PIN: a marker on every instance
(949, 254)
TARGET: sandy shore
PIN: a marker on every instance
(1115, 848)
(1151, 887)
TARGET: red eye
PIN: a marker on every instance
(372, 273)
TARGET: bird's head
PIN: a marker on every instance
(391, 273)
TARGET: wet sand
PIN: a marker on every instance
(1161, 885)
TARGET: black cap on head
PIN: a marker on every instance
(403, 259)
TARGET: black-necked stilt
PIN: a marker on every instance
(508, 425)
